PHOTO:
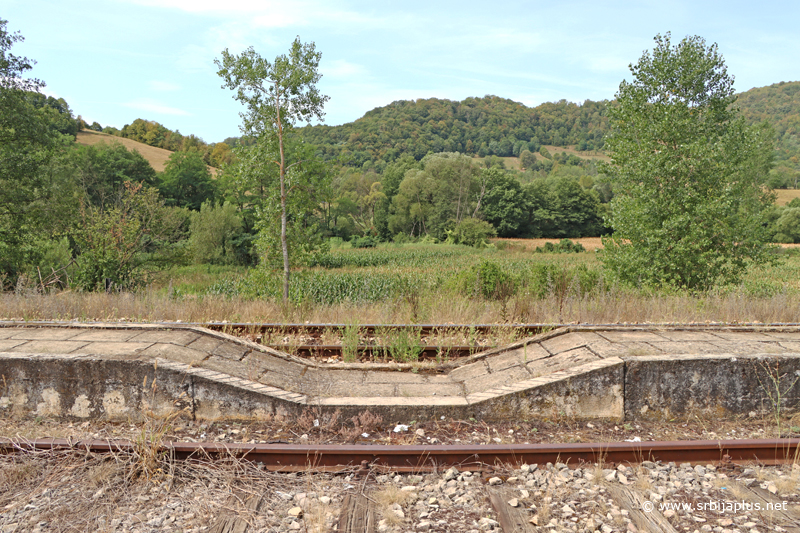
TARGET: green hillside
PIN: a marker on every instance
(483, 126)
(498, 126)
(778, 104)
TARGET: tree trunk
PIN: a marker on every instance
(284, 244)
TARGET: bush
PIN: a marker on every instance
(561, 281)
(215, 232)
(565, 246)
(486, 279)
(473, 232)
(363, 242)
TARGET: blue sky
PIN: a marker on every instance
(115, 61)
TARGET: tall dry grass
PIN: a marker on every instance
(606, 307)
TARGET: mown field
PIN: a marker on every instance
(424, 284)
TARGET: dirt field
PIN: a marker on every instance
(590, 243)
(786, 195)
(156, 156)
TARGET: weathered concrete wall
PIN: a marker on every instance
(666, 387)
(86, 387)
(644, 387)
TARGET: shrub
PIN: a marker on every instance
(473, 232)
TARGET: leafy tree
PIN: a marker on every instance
(102, 170)
(214, 232)
(186, 181)
(686, 169)
(112, 241)
(277, 94)
(472, 232)
(505, 206)
(27, 143)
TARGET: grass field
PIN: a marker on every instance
(423, 284)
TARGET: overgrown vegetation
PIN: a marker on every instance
(403, 226)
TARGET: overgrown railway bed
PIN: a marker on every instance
(427, 458)
(721, 486)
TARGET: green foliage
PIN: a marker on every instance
(565, 246)
(433, 200)
(560, 281)
(787, 227)
(27, 144)
(688, 210)
(778, 104)
(103, 169)
(277, 95)
(363, 242)
(486, 279)
(214, 232)
(483, 126)
(472, 232)
(113, 242)
(186, 181)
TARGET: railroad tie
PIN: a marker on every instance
(357, 515)
(788, 519)
(237, 522)
(631, 500)
(512, 519)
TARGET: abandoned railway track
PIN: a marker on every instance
(418, 458)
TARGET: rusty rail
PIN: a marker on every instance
(416, 458)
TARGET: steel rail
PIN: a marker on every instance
(421, 458)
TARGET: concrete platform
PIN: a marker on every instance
(620, 372)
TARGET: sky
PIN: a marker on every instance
(115, 61)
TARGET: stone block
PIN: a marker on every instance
(686, 347)
(106, 335)
(46, 334)
(232, 351)
(631, 336)
(426, 390)
(563, 361)
(204, 344)
(6, 345)
(174, 352)
(469, 371)
(496, 379)
(226, 366)
(689, 336)
(114, 348)
(568, 341)
(173, 336)
(49, 346)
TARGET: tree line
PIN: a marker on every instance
(101, 214)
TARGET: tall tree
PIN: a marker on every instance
(186, 181)
(687, 172)
(26, 145)
(277, 95)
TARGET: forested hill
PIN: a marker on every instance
(485, 126)
(498, 126)
(778, 104)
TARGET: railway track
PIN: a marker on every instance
(417, 458)
(500, 488)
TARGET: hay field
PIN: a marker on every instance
(157, 157)
(786, 195)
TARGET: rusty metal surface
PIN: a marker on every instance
(399, 458)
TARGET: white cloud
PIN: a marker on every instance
(340, 68)
(154, 106)
(164, 86)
